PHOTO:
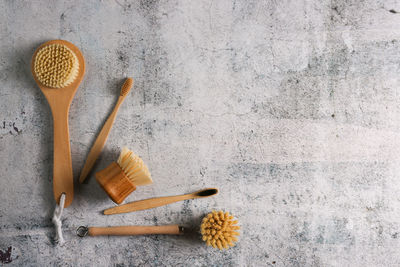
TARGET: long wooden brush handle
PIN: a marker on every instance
(147, 204)
(136, 230)
(63, 181)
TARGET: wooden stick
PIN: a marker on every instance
(137, 230)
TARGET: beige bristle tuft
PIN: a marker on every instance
(126, 87)
(56, 66)
(134, 168)
(219, 230)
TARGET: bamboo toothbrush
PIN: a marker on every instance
(159, 201)
(120, 178)
(58, 68)
(103, 135)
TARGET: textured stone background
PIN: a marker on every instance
(290, 108)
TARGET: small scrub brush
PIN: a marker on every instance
(120, 178)
(219, 230)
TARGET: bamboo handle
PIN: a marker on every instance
(136, 230)
(100, 141)
(63, 181)
(147, 204)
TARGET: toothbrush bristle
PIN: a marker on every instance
(126, 87)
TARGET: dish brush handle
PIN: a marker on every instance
(62, 168)
(137, 230)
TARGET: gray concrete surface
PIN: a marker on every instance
(290, 108)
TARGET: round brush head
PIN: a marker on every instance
(219, 230)
(56, 66)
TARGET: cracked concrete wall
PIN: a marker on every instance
(290, 108)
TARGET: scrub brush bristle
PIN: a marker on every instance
(121, 178)
(219, 230)
(134, 168)
(56, 66)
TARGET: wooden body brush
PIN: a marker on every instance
(102, 137)
(58, 68)
(120, 178)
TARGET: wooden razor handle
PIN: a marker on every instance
(137, 230)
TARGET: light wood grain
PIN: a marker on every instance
(60, 100)
(155, 202)
(136, 230)
(114, 181)
(103, 135)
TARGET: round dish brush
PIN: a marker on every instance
(120, 178)
(219, 230)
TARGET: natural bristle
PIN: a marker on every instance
(219, 230)
(126, 87)
(134, 168)
(56, 66)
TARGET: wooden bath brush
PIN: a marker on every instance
(120, 178)
(58, 68)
